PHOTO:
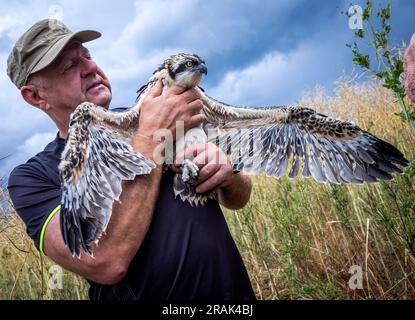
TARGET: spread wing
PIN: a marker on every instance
(298, 140)
(96, 158)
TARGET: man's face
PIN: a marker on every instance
(74, 78)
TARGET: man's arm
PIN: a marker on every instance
(131, 216)
(128, 225)
(234, 190)
(237, 192)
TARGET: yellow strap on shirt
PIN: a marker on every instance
(42, 233)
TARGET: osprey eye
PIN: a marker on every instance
(189, 64)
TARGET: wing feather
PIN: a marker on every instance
(94, 162)
(298, 141)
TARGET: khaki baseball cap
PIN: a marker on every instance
(39, 46)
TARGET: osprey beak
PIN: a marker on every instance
(202, 68)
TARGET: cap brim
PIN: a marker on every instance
(57, 48)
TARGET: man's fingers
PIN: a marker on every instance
(195, 106)
(190, 95)
(157, 89)
(195, 121)
(207, 171)
(201, 159)
(214, 181)
(190, 152)
(202, 154)
(176, 90)
(187, 153)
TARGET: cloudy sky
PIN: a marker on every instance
(257, 52)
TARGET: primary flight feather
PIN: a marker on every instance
(274, 140)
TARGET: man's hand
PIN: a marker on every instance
(216, 172)
(162, 110)
(409, 66)
(214, 168)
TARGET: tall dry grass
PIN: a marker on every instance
(298, 238)
(24, 273)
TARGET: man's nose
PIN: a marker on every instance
(89, 66)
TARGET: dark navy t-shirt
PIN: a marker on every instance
(187, 253)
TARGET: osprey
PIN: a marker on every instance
(274, 140)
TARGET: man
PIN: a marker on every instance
(409, 60)
(155, 246)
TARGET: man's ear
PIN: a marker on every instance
(30, 94)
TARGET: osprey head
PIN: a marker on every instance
(185, 70)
